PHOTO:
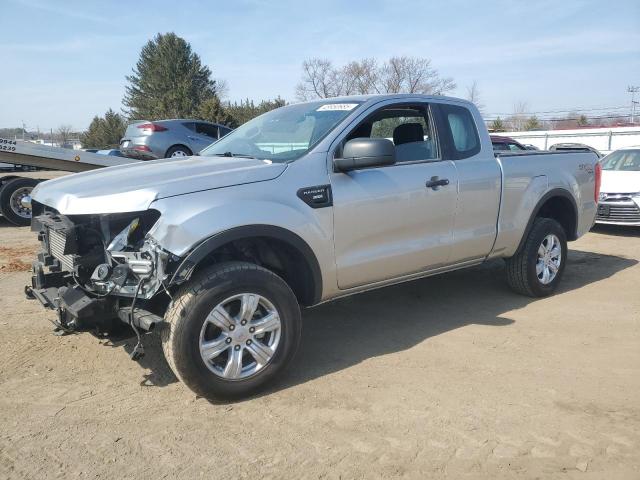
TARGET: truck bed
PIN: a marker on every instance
(529, 176)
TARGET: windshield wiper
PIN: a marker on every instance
(231, 154)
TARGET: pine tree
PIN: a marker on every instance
(212, 110)
(168, 81)
(532, 123)
(497, 125)
(247, 109)
(104, 132)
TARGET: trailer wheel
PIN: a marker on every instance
(11, 195)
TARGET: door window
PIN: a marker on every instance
(409, 127)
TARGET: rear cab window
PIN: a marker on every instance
(460, 132)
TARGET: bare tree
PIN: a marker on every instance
(320, 79)
(518, 119)
(473, 95)
(222, 88)
(63, 132)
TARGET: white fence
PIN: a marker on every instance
(604, 140)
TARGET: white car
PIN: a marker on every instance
(619, 200)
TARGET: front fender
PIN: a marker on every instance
(186, 221)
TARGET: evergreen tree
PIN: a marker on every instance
(247, 109)
(104, 132)
(497, 125)
(583, 121)
(212, 110)
(532, 123)
(168, 81)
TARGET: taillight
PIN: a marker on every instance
(153, 127)
(142, 148)
(598, 181)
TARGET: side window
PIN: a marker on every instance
(190, 125)
(224, 131)
(500, 146)
(409, 127)
(206, 129)
(464, 135)
(514, 147)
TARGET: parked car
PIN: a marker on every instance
(501, 143)
(302, 205)
(574, 147)
(169, 138)
(619, 201)
(114, 152)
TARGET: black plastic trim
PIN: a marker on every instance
(318, 196)
(188, 264)
(556, 192)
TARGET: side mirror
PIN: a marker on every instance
(365, 152)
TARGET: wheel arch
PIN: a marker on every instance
(559, 205)
(275, 248)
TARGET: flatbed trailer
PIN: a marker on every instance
(15, 188)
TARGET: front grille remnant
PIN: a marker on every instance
(57, 244)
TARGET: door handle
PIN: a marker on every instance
(436, 182)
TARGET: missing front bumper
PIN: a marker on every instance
(78, 311)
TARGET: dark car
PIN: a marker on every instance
(501, 143)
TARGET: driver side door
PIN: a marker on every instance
(388, 223)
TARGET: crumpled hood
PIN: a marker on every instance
(620, 181)
(133, 187)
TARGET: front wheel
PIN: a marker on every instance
(231, 330)
(537, 268)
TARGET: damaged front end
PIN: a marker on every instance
(94, 270)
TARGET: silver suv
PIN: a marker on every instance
(169, 138)
(299, 206)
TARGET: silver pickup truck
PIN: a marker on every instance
(302, 205)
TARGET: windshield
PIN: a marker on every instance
(624, 160)
(284, 134)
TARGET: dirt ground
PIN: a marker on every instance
(451, 376)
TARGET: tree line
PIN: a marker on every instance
(169, 80)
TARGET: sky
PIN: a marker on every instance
(63, 62)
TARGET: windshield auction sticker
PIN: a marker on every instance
(337, 106)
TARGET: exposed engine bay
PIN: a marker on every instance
(97, 269)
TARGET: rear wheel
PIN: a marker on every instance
(231, 330)
(11, 195)
(178, 151)
(537, 268)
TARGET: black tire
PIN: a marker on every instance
(186, 315)
(181, 150)
(7, 192)
(521, 268)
